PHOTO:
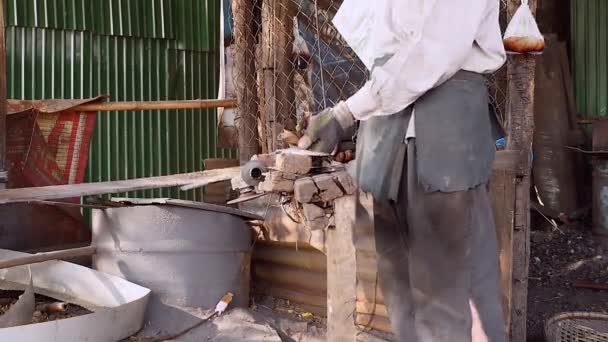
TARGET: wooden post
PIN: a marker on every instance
(502, 194)
(277, 48)
(3, 80)
(267, 76)
(520, 116)
(342, 272)
(283, 49)
(244, 64)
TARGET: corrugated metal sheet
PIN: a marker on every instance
(291, 272)
(138, 144)
(135, 18)
(112, 47)
(589, 54)
(192, 23)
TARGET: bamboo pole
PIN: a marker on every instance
(47, 256)
(155, 105)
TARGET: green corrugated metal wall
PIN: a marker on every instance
(590, 55)
(132, 50)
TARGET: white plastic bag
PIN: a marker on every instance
(522, 34)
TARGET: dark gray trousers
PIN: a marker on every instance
(437, 251)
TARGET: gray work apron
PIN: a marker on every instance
(434, 231)
(454, 134)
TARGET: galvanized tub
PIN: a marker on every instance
(188, 253)
(600, 196)
(600, 177)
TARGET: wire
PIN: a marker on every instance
(185, 331)
(282, 201)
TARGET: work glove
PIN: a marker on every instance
(327, 128)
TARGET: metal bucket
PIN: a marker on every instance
(600, 177)
(600, 196)
(188, 253)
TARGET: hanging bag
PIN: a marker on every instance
(522, 34)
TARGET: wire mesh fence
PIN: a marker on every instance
(291, 62)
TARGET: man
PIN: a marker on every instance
(425, 151)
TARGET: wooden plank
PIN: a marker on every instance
(155, 105)
(577, 134)
(520, 116)
(502, 197)
(568, 85)
(88, 189)
(554, 166)
(42, 257)
(341, 272)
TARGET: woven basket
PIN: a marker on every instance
(577, 327)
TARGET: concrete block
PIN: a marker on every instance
(305, 190)
(328, 188)
(277, 182)
(314, 216)
(346, 181)
(293, 163)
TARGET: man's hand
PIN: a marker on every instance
(326, 129)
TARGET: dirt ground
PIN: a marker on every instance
(292, 323)
(9, 297)
(560, 258)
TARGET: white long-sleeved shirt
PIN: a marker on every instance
(412, 46)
